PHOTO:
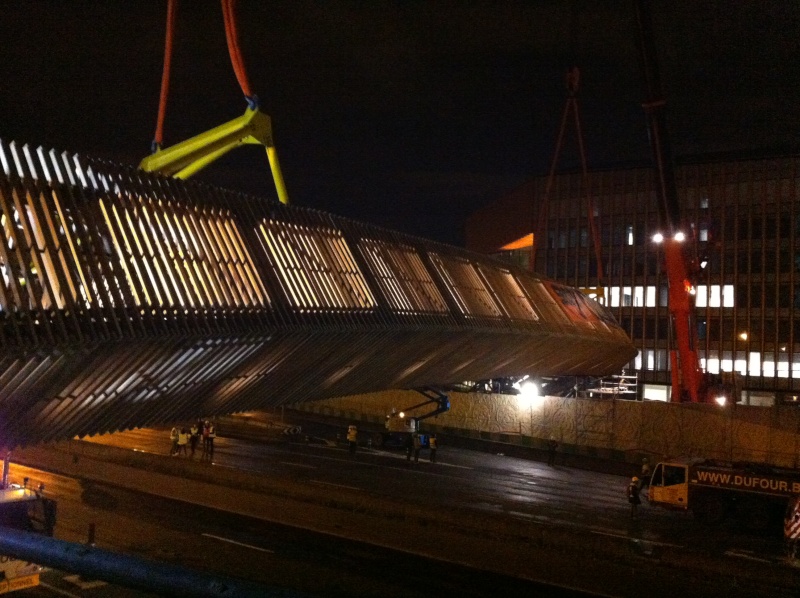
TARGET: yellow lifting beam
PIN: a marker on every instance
(186, 158)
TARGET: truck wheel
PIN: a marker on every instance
(710, 511)
(377, 440)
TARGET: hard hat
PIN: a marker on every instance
(645, 460)
(634, 479)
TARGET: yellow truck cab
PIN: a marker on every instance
(755, 493)
(669, 485)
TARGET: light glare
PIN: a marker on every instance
(528, 393)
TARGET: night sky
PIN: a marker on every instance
(409, 114)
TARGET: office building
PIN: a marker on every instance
(742, 219)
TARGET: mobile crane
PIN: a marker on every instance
(689, 382)
(756, 494)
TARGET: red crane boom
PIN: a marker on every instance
(689, 382)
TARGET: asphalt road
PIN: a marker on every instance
(585, 504)
(280, 557)
(528, 490)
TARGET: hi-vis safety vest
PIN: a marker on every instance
(791, 526)
(352, 434)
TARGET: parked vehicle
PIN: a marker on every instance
(755, 494)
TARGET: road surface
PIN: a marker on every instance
(570, 526)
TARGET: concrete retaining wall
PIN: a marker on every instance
(616, 429)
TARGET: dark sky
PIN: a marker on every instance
(408, 113)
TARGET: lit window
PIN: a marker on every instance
(638, 296)
(650, 298)
(755, 366)
(711, 366)
(701, 297)
(713, 296)
(727, 295)
(783, 369)
(768, 369)
(613, 295)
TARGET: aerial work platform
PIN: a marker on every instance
(129, 299)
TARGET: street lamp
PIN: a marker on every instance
(528, 395)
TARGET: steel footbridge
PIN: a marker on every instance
(129, 299)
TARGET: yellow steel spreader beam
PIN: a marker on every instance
(186, 158)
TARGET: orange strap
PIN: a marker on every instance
(229, 15)
(172, 8)
(572, 80)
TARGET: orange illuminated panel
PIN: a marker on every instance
(521, 243)
(402, 277)
(466, 286)
(508, 293)
(315, 266)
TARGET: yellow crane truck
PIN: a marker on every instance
(755, 493)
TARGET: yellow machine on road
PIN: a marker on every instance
(754, 493)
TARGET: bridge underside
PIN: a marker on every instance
(130, 300)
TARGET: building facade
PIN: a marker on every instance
(742, 219)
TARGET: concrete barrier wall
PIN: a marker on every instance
(617, 429)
